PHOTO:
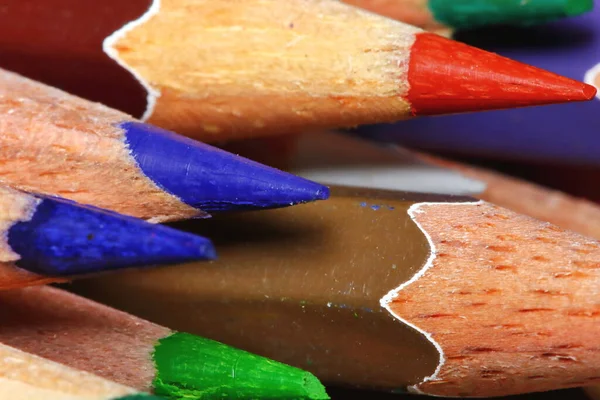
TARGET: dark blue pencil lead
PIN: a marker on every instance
(211, 179)
(63, 238)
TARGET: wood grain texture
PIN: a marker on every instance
(61, 145)
(221, 69)
(81, 334)
(24, 376)
(310, 63)
(511, 301)
(559, 208)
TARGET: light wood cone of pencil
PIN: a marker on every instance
(218, 69)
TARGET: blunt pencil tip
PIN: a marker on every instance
(212, 179)
(589, 92)
(189, 366)
(63, 238)
(577, 7)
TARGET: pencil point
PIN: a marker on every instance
(64, 239)
(189, 366)
(212, 179)
(474, 13)
(477, 80)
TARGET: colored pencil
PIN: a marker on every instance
(341, 159)
(557, 134)
(57, 144)
(48, 240)
(24, 376)
(219, 69)
(76, 332)
(559, 208)
(446, 15)
(444, 295)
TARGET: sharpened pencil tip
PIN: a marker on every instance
(211, 179)
(474, 13)
(63, 238)
(189, 366)
(477, 80)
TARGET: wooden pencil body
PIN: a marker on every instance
(219, 69)
(64, 328)
(57, 144)
(210, 69)
(24, 376)
(386, 290)
(561, 209)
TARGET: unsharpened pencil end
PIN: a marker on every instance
(211, 179)
(66, 239)
(477, 80)
(475, 13)
(189, 366)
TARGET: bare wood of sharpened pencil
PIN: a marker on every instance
(100, 340)
(290, 67)
(568, 212)
(24, 376)
(58, 144)
(270, 66)
(553, 267)
(220, 69)
(561, 209)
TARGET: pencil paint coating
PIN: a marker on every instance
(214, 180)
(63, 238)
(191, 367)
(476, 80)
(473, 13)
(139, 396)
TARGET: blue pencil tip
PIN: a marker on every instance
(212, 179)
(63, 238)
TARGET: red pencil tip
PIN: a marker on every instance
(589, 91)
(447, 77)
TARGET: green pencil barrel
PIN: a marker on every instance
(190, 367)
(473, 13)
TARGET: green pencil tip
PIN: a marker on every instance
(193, 368)
(475, 13)
(577, 7)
